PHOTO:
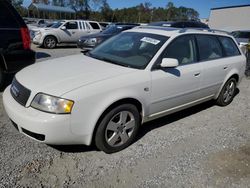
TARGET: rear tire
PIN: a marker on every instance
(118, 128)
(50, 42)
(227, 93)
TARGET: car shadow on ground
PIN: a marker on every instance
(164, 121)
(147, 127)
(74, 148)
(40, 55)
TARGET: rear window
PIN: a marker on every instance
(7, 19)
(209, 47)
(229, 46)
(94, 25)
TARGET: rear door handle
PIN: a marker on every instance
(197, 74)
(225, 68)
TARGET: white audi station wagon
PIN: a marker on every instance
(104, 96)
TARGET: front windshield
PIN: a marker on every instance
(130, 49)
(112, 30)
(56, 25)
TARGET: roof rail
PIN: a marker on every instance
(157, 27)
(203, 29)
(181, 30)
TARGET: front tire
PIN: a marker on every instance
(50, 42)
(118, 128)
(227, 93)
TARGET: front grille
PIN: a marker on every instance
(20, 93)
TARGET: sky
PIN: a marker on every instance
(202, 6)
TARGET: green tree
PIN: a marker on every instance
(106, 11)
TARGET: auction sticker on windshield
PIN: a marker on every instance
(150, 40)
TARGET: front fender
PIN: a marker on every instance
(45, 34)
(92, 100)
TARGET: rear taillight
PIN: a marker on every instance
(26, 38)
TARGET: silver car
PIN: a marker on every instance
(66, 31)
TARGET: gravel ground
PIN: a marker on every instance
(204, 146)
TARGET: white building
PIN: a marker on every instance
(230, 18)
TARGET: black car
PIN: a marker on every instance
(89, 42)
(15, 52)
(180, 24)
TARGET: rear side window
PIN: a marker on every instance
(209, 47)
(7, 19)
(182, 49)
(94, 25)
(229, 46)
(71, 25)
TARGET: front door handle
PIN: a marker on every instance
(197, 74)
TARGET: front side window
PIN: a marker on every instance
(129, 49)
(71, 25)
(182, 49)
(229, 46)
(209, 47)
(56, 24)
(113, 29)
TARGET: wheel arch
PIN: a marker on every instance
(51, 35)
(233, 74)
(133, 101)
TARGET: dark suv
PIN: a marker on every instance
(15, 52)
(180, 24)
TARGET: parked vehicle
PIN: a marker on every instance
(34, 30)
(15, 52)
(180, 24)
(66, 31)
(90, 41)
(104, 24)
(243, 38)
(134, 77)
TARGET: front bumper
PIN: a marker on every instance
(38, 40)
(36, 124)
(84, 46)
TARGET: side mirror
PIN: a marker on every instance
(169, 63)
(63, 28)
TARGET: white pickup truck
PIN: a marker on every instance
(66, 31)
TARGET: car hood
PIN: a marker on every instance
(62, 75)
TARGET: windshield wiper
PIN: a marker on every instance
(107, 60)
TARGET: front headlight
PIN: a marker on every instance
(91, 41)
(51, 104)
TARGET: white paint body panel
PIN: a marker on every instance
(94, 85)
